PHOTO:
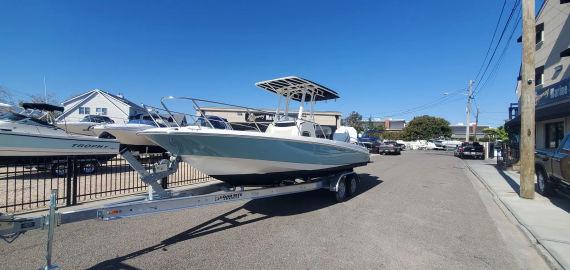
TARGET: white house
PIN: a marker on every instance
(99, 102)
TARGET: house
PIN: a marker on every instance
(388, 124)
(99, 102)
(458, 131)
(552, 77)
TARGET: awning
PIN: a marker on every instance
(294, 85)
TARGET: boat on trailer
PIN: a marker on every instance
(288, 149)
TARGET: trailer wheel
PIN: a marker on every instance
(89, 167)
(59, 169)
(340, 194)
(352, 185)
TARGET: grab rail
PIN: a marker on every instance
(249, 110)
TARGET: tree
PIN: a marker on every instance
(5, 96)
(426, 127)
(354, 120)
(493, 134)
(393, 135)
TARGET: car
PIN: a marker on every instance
(552, 168)
(389, 148)
(470, 149)
(371, 143)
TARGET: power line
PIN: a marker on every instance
(498, 63)
(492, 39)
(434, 103)
(505, 27)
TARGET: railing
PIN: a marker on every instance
(508, 156)
(203, 117)
(25, 184)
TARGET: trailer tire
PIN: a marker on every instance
(89, 167)
(59, 169)
(543, 184)
(352, 185)
(340, 193)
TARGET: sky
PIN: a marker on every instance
(382, 57)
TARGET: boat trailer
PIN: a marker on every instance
(342, 184)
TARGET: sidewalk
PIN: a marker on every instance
(546, 220)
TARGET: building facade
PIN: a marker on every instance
(242, 119)
(458, 132)
(99, 102)
(552, 58)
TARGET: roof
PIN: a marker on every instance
(88, 93)
(294, 85)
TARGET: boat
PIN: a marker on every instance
(22, 135)
(127, 135)
(290, 148)
(84, 126)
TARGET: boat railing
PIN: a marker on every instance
(199, 120)
(199, 114)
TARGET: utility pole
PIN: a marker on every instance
(476, 124)
(468, 109)
(528, 101)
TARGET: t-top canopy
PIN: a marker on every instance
(294, 87)
(42, 107)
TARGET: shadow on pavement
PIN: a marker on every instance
(264, 208)
(561, 201)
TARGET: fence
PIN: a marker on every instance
(26, 184)
(509, 155)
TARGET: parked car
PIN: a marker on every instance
(371, 143)
(395, 143)
(388, 148)
(470, 149)
(552, 167)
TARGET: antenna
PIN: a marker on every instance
(45, 90)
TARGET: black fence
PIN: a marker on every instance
(26, 184)
(508, 155)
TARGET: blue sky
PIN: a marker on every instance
(381, 56)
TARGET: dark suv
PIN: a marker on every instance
(552, 167)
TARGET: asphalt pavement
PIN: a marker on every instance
(419, 210)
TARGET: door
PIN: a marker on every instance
(561, 161)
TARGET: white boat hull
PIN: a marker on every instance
(14, 144)
(126, 134)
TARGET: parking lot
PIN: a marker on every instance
(418, 210)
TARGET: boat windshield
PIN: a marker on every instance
(217, 122)
(97, 119)
(22, 119)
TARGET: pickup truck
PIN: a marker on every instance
(552, 167)
(470, 149)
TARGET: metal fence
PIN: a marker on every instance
(509, 155)
(26, 184)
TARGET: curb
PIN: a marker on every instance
(511, 214)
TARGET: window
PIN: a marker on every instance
(539, 33)
(84, 110)
(554, 134)
(101, 111)
(539, 75)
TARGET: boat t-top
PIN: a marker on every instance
(288, 149)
